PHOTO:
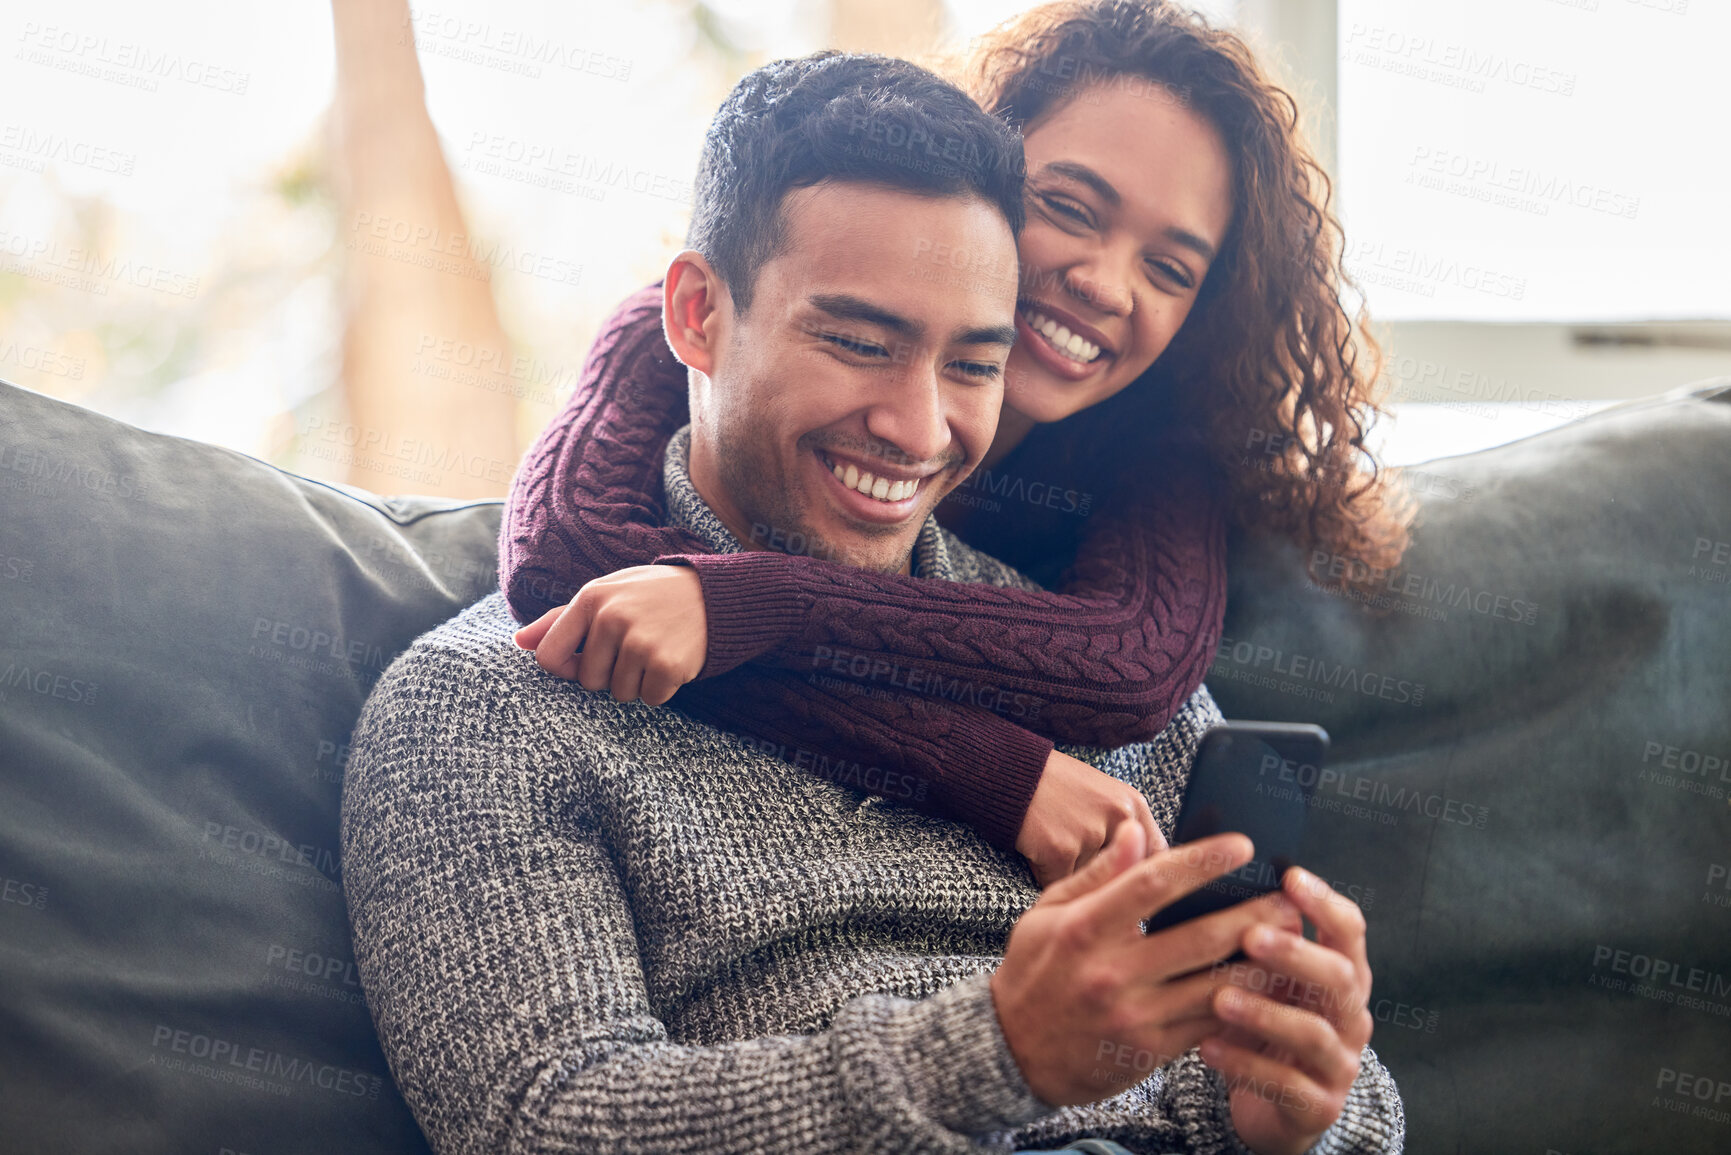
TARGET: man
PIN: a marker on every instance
(587, 924)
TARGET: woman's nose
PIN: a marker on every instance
(1102, 284)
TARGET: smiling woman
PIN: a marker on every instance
(1181, 363)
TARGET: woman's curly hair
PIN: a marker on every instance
(1269, 369)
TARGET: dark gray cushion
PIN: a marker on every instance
(188, 637)
(189, 634)
(1556, 665)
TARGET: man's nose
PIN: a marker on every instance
(908, 416)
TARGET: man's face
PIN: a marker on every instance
(871, 360)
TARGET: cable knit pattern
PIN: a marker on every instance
(1108, 661)
(585, 925)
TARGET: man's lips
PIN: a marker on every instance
(884, 511)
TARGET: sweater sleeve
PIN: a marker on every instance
(957, 762)
(1110, 658)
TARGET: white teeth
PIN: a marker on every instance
(1072, 345)
(880, 488)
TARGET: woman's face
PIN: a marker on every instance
(1129, 199)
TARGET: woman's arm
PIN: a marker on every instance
(1108, 661)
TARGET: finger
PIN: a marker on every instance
(1339, 921)
(1123, 849)
(530, 635)
(1161, 879)
(1309, 1041)
(1156, 840)
(659, 685)
(1205, 941)
(1309, 1108)
(600, 652)
(627, 679)
(1316, 977)
(568, 634)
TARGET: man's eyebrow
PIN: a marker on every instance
(1082, 174)
(847, 307)
(987, 335)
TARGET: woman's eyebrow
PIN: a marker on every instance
(1082, 174)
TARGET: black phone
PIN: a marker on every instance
(1255, 778)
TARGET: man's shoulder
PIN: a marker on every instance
(977, 567)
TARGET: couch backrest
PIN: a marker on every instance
(186, 637)
(1528, 794)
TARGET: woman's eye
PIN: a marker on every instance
(1065, 208)
(859, 348)
(1177, 274)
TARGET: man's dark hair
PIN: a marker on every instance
(846, 117)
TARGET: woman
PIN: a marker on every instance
(1182, 361)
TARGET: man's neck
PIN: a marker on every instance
(705, 475)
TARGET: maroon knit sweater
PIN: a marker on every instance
(1111, 658)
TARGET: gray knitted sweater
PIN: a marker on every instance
(583, 925)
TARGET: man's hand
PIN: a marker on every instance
(1090, 1005)
(1073, 813)
(1297, 1017)
(640, 633)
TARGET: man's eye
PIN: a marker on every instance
(859, 348)
(984, 370)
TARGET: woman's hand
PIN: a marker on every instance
(640, 633)
(1072, 815)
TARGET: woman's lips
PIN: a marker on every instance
(1042, 351)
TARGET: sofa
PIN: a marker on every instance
(1529, 791)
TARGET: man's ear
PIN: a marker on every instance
(694, 308)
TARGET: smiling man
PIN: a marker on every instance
(586, 924)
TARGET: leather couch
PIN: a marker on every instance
(1528, 794)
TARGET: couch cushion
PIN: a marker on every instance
(186, 637)
(1532, 773)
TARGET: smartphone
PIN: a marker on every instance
(1255, 778)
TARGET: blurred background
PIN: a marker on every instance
(232, 222)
